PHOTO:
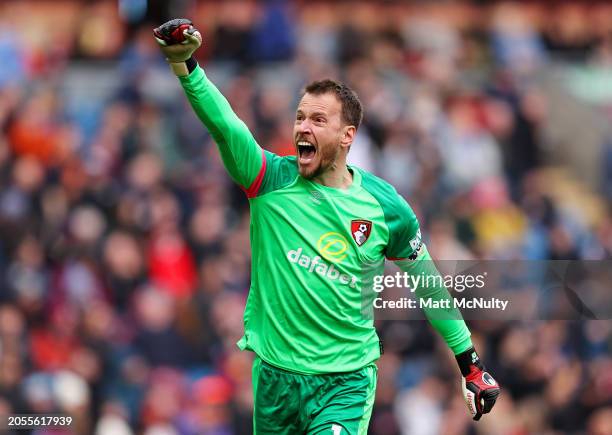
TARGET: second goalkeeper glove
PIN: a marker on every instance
(480, 390)
(178, 39)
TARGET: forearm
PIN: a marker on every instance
(241, 155)
(444, 318)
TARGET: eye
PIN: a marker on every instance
(320, 119)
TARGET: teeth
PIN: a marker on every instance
(304, 143)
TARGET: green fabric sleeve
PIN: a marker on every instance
(404, 233)
(242, 156)
(280, 172)
(447, 321)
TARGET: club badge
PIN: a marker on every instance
(360, 230)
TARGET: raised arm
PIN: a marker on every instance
(243, 158)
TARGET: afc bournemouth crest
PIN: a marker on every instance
(360, 230)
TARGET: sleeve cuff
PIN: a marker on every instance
(467, 359)
(182, 69)
(191, 64)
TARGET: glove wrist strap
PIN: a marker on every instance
(181, 69)
(467, 359)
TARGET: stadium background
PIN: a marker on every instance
(124, 260)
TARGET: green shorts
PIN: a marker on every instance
(294, 404)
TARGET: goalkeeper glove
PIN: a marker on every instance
(480, 390)
(178, 39)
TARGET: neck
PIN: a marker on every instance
(338, 176)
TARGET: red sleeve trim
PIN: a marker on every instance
(396, 258)
(253, 189)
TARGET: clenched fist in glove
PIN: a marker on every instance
(480, 390)
(178, 39)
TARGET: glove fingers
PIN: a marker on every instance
(178, 33)
(161, 41)
(171, 31)
(192, 36)
(470, 398)
(479, 401)
(159, 36)
(488, 400)
(187, 35)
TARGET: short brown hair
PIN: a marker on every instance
(352, 111)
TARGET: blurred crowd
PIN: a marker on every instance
(124, 247)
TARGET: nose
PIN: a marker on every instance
(304, 127)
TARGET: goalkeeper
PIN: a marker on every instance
(316, 224)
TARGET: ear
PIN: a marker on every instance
(348, 134)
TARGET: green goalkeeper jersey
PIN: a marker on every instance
(314, 250)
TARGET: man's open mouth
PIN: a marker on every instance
(306, 151)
